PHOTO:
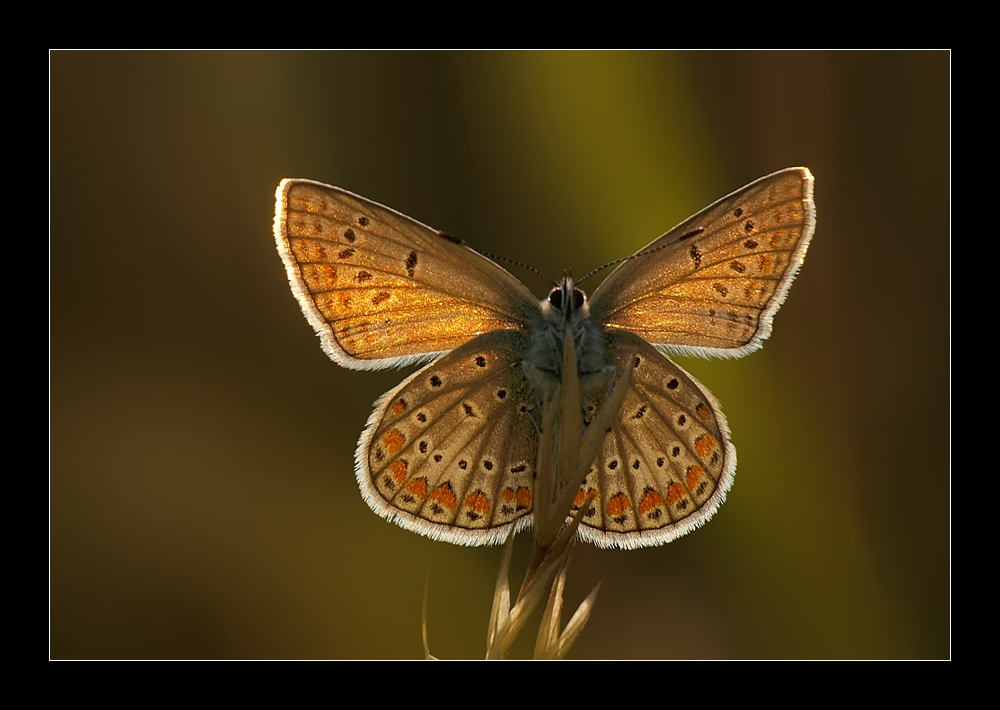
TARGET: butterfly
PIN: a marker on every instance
(451, 452)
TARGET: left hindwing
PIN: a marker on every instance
(451, 452)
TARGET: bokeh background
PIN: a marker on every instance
(202, 494)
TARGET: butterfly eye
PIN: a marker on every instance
(555, 298)
(578, 299)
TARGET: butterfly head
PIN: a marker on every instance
(567, 300)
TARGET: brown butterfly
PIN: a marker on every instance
(450, 453)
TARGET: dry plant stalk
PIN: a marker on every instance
(559, 478)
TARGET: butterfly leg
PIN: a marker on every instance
(530, 411)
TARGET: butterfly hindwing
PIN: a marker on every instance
(667, 462)
(382, 289)
(451, 452)
(712, 284)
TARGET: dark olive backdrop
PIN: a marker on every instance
(203, 501)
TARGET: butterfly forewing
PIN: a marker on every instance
(666, 464)
(382, 289)
(711, 285)
(450, 453)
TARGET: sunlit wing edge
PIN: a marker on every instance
(798, 258)
(327, 339)
(767, 314)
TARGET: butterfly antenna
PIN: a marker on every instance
(681, 238)
(497, 257)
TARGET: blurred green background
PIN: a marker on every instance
(203, 501)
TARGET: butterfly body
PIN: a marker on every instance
(451, 452)
(564, 311)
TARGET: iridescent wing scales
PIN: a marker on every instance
(381, 289)
(712, 284)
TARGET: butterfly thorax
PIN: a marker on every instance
(565, 310)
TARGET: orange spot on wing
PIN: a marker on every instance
(305, 203)
(523, 497)
(327, 305)
(674, 493)
(581, 498)
(694, 475)
(703, 412)
(393, 440)
(398, 470)
(398, 407)
(618, 505)
(417, 487)
(704, 445)
(445, 496)
(650, 501)
(320, 277)
(507, 495)
(308, 251)
(477, 502)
